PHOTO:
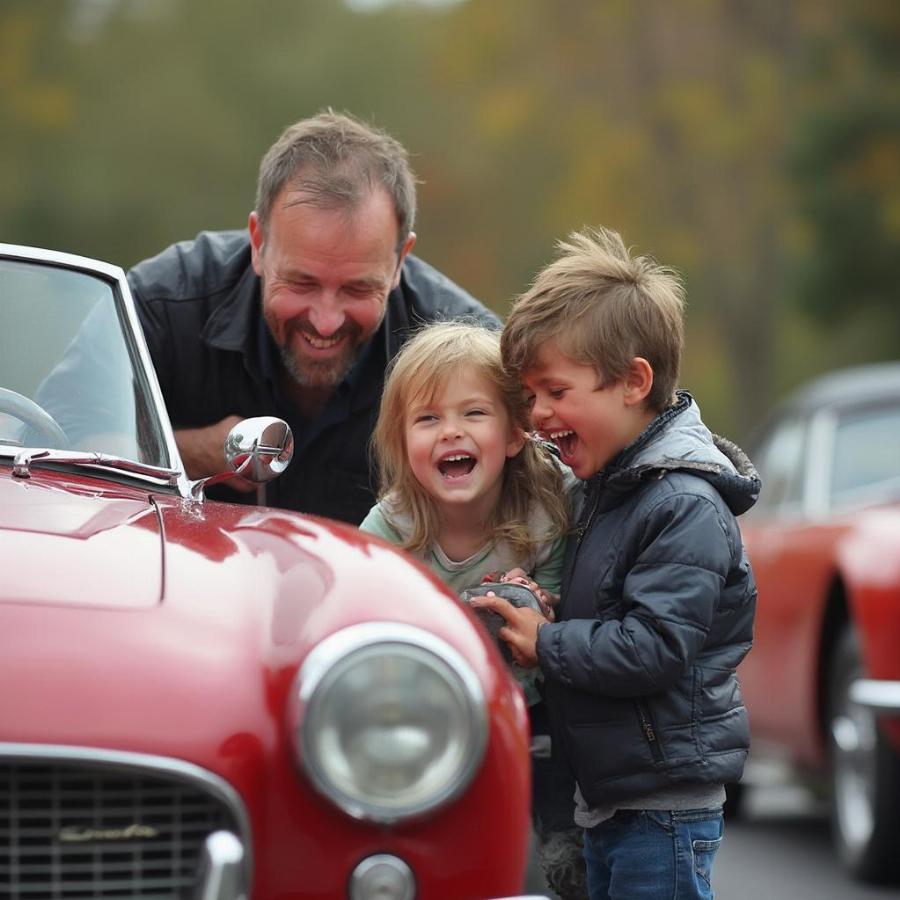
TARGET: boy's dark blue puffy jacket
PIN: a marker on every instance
(657, 611)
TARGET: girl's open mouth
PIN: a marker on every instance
(457, 466)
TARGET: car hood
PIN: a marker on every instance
(66, 540)
(206, 674)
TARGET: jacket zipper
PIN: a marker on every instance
(580, 531)
(585, 527)
(649, 731)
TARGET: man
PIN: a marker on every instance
(299, 315)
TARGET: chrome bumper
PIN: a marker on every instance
(224, 868)
(224, 871)
(879, 696)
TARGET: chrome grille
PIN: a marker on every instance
(75, 829)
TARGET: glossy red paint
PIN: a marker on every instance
(55, 527)
(797, 566)
(140, 621)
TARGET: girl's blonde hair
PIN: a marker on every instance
(420, 369)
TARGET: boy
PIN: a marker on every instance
(657, 595)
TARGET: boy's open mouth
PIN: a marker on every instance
(565, 440)
(456, 466)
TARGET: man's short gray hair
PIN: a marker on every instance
(337, 161)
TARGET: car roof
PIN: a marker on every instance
(855, 386)
(860, 384)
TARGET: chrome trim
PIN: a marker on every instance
(820, 432)
(116, 275)
(879, 696)
(63, 260)
(250, 453)
(74, 834)
(144, 762)
(223, 868)
(360, 890)
(24, 458)
(338, 647)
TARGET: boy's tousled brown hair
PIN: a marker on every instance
(432, 356)
(603, 307)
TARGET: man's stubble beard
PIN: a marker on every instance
(307, 373)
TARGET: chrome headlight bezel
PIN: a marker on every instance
(332, 659)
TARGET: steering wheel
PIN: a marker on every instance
(34, 416)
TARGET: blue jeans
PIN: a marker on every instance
(653, 854)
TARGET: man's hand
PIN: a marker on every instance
(520, 631)
(201, 452)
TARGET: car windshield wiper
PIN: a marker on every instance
(24, 460)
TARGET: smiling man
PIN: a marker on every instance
(298, 315)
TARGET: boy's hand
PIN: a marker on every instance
(520, 631)
(545, 598)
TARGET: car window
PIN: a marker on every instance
(866, 453)
(70, 377)
(779, 460)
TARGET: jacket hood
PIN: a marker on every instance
(678, 441)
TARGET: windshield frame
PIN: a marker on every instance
(114, 276)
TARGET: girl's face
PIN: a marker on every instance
(458, 441)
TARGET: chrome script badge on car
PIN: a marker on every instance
(73, 834)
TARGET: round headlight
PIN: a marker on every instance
(389, 722)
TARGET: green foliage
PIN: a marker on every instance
(846, 165)
(128, 124)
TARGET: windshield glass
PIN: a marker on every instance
(70, 378)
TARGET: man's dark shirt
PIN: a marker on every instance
(199, 305)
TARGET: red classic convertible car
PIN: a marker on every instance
(822, 682)
(208, 700)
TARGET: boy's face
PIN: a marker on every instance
(588, 423)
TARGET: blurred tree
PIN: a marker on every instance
(171, 104)
(128, 124)
(846, 162)
(666, 122)
(37, 106)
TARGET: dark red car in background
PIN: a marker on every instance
(822, 682)
(207, 700)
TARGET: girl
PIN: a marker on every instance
(467, 492)
(463, 488)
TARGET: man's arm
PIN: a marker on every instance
(201, 451)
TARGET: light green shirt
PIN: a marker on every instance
(543, 563)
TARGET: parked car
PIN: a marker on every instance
(822, 682)
(212, 700)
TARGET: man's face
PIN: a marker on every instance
(326, 275)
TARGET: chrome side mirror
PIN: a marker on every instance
(258, 449)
